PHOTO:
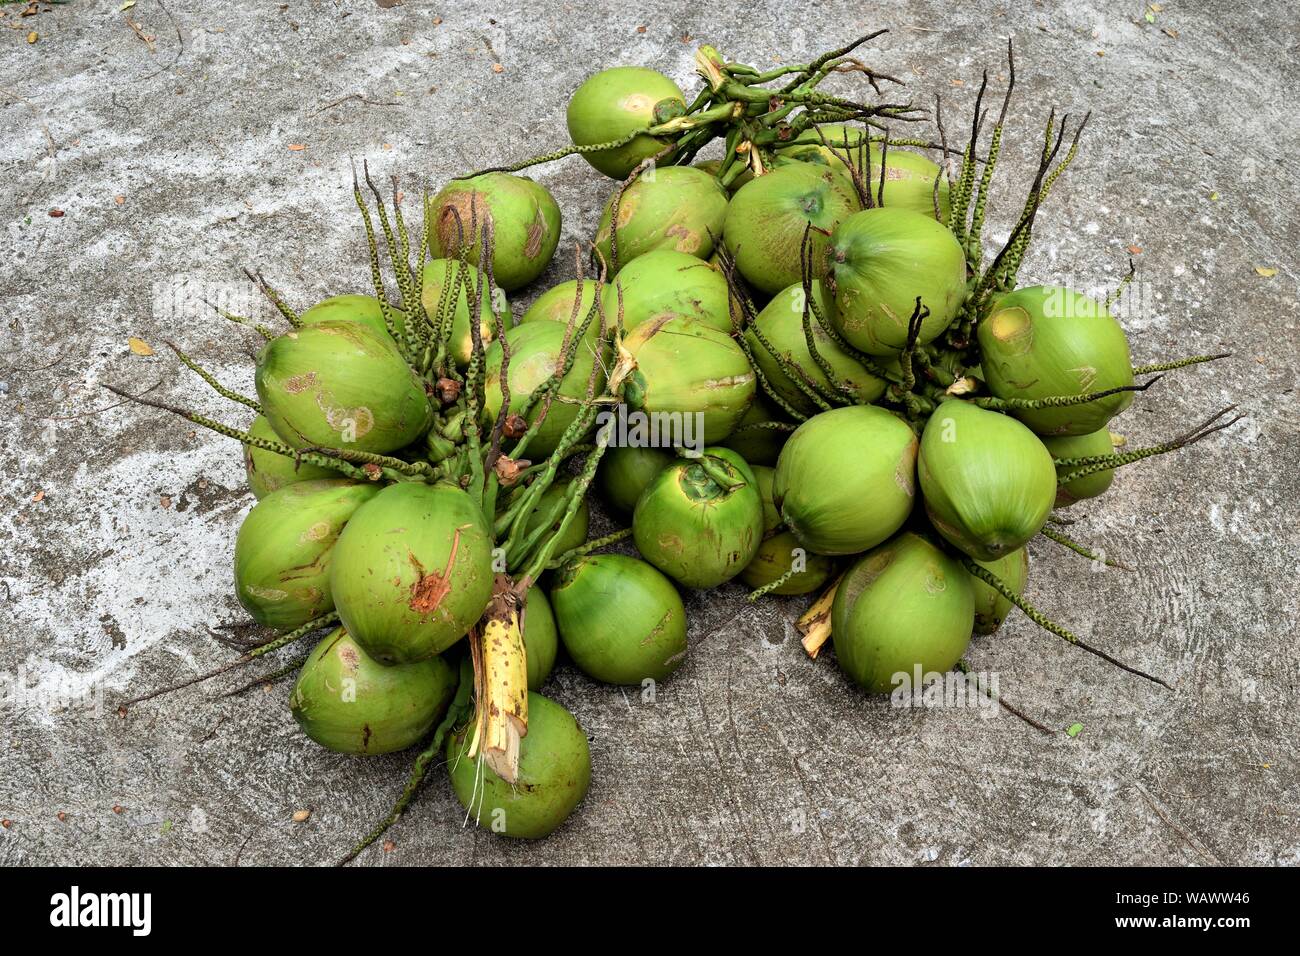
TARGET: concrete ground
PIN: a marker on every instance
(186, 140)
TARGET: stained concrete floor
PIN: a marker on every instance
(184, 141)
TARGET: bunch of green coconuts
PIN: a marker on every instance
(855, 402)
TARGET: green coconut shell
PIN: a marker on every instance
(556, 305)
(987, 481)
(846, 479)
(554, 773)
(437, 273)
(686, 368)
(412, 571)
(669, 283)
(767, 217)
(284, 550)
(625, 471)
(903, 605)
(694, 530)
(1081, 446)
(880, 261)
(991, 608)
(341, 385)
(612, 104)
(354, 308)
(536, 353)
(349, 703)
(763, 478)
(525, 224)
(269, 471)
(1043, 341)
(680, 208)
(782, 331)
(620, 619)
(541, 637)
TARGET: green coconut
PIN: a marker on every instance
(541, 638)
(354, 308)
(536, 353)
(987, 481)
(904, 605)
(780, 553)
(763, 479)
(1042, 341)
(779, 329)
(766, 220)
(679, 208)
(554, 773)
(556, 305)
(341, 385)
(437, 273)
(1090, 445)
(991, 607)
(846, 479)
(269, 471)
(615, 103)
(349, 703)
(756, 443)
(686, 369)
(525, 224)
(284, 550)
(880, 261)
(626, 470)
(412, 571)
(620, 619)
(669, 283)
(700, 521)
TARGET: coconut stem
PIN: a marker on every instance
(1081, 550)
(1123, 284)
(772, 585)
(212, 381)
(459, 709)
(1180, 363)
(376, 274)
(316, 624)
(268, 679)
(500, 683)
(1045, 623)
(1092, 464)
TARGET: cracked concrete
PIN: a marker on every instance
(210, 137)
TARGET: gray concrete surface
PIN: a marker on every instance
(171, 149)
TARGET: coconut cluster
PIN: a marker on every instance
(793, 367)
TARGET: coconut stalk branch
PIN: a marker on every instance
(964, 666)
(276, 299)
(1048, 625)
(248, 323)
(458, 711)
(267, 679)
(1059, 401)
(212, 381)
(1123, 284)
(1092, 464)
(595, 544)
(317, 624)
(1080, 550)
(376, 273)
(1179, 363)
(279, 448)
